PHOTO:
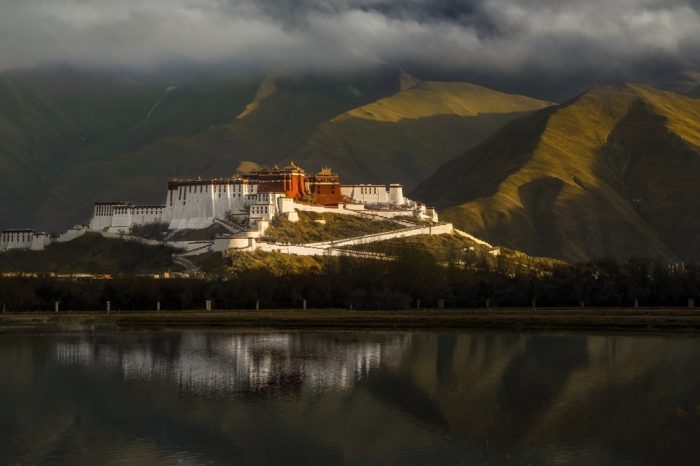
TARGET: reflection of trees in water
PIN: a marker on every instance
(540, 399)
(210, 361)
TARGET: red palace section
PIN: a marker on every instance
(322, 188)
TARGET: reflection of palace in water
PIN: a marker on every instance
(209, 361)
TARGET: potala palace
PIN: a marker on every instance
(242, 204)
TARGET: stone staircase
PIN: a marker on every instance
(230, 226)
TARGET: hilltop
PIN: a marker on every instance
(612, 172)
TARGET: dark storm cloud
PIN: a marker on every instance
(498, 38)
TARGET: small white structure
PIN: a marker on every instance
(24, 239)
(16, 239)
(375, 194)
(119, 217)
(72, 233)
(39, 241)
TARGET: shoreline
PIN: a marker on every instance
(637, 320)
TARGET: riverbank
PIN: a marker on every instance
(636, 320)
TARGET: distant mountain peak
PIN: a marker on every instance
(431, 98)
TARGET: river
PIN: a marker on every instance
(215, 397)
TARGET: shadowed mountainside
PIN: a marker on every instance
(60, 129)
(613, 172)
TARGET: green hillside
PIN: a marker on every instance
(613, 172)
(404, 137)
(314, 227)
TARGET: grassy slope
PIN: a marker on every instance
(90, 253)
(455, 248)
(612, 172)
(336, 226)
(445, 248)
(406, 136)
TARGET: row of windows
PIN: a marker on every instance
(16, 236)
(123, 211)
(368, 190)
(258, 210)
(104, 210)
(182, 193)
(218, 188)
(147, 211)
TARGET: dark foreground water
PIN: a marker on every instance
(415, 398)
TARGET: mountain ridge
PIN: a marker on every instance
(405, 136)
(579, 180)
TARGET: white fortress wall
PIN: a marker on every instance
(374, 193)
(72, 233)
(396, 194)
(16, 239)
(144, 215)
(40, 241)
(102, 215)
(196, 205)
(442, 229)
(121, 219)
(192, 208)
(366, 193)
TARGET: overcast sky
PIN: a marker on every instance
(503, 40)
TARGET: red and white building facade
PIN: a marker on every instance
(253, 198)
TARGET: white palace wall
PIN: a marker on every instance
(15, 239)
(24, 239)
(196, 206)
(118, 217)
(374, 193)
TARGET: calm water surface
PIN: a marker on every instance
(370, 398)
